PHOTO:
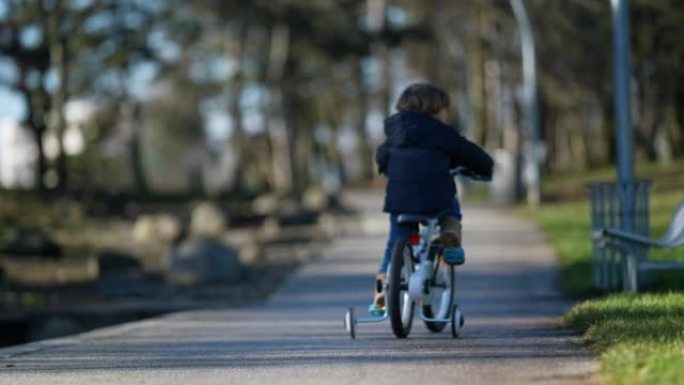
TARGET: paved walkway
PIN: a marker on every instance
(505, 290)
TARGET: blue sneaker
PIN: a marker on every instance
(454, 255)
(376, 311)
(378, 307)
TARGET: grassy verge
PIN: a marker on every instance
(640, 338)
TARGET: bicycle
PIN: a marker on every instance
(417, 275)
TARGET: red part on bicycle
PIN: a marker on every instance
(414, 239)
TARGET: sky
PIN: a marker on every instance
(11, 105)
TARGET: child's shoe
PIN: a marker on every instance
(452, 252)
(378, 307)
(454, 255)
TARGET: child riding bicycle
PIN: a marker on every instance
(416, 157)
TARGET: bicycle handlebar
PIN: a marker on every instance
(462, 171)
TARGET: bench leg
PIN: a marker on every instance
(596, 267)
(630, 273)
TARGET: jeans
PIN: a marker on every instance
(398, 230)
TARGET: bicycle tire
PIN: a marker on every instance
(401, 307)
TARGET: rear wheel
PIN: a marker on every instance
(400, 305)
(441, 299)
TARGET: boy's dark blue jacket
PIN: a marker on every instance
(416, 158)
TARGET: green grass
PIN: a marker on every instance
(640, 338)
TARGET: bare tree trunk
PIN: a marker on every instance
(303, 147)
(652, 106)
(659, 106)
(332, 151)
(551, 123)
(609, 130)
(38, 131)
(678, 132)
(437, 73)
(457, 53)
(585, 125)
(282, 166)
(234, 91)
(377, 15)
(476, 83)
(133, 116)
(363, 145)
(130, 112)
(383, 53)
(60, 61)
(644, 120)
(37, 103)
(36, 107)
(494, 131)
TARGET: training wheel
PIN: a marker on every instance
(350, 322)
(457, 321)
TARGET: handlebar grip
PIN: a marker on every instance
(462, 171)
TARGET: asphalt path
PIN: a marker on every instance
(506, 291)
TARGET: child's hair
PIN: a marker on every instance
(423, 97)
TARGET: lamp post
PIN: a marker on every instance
(622, 71)
(532, 144)
(624, 135)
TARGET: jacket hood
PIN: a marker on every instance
(406, 128)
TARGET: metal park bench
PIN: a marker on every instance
(621, 255)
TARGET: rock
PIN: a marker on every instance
(266, 204)
(207, 221)
(152, 235)
(328, 225)
(47, 272)
(247, 241)
(157, 228)
(203, 260)
(270, 228)
(315, 199)
(251, 253)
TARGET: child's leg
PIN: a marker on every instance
(450, 231)
(450, 226)
(396, 231)
(451, 236)
(377, 308)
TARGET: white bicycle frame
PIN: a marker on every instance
(427, 234)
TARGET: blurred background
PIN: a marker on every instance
(158, 155)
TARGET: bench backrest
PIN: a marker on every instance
(675, 234)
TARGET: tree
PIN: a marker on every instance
(32, 62)
(77, 46)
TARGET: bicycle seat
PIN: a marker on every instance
(413, 218)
